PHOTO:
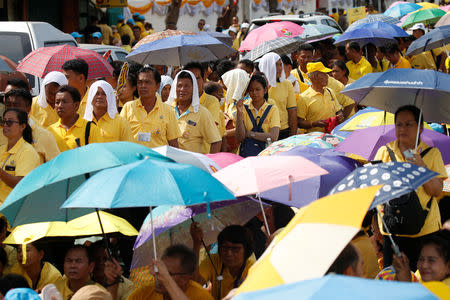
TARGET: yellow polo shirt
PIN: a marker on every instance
(49, 274)
(66, 140)
(62, 285)
(114, 130)
(194, 291)
(83, 102)
(369, 256)
(305, 76)
(20, 160)
(337, 87)
(212, 105)
(43, 142)
(359, 69)
(383, 66)
(207, 272)
(272, 119)
(160, 122)
(284, 97)
(196, 128)
(126, 29)
(402, 63)
(314, 106)
(125, 289)
(433, 160)
(44, 116)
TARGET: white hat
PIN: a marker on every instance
(245, 25)
(418, 26)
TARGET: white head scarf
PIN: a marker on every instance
(110, 98)
(267, 65)
(165, 80)
(54, 76)
(236, 81)
(173, 91)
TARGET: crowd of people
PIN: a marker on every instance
(229, 105)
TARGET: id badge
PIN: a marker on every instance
(144, 136)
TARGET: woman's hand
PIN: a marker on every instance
(240, 106)
(113, 270)
(401, 265)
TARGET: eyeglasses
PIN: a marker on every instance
(8, 123)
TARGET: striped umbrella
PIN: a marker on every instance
(281, 45)
(374, 18)
(161, 35)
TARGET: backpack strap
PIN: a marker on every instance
(250, 115)
(391, 154)
(87, 133)
(300, 75)
(331, 94)
(263, 118)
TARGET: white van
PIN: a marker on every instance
(17, 39)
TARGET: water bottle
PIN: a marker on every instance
(268, 142)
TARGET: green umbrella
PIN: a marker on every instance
(426, 16)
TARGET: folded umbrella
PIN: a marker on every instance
(436, 38)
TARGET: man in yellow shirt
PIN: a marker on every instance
(318, 103)
(358, 66)
(174, 278)
(196, 123)
(152, 121)
(304, 57)
(71, 130)
(393, 55)
(77, 71)
(427, 59)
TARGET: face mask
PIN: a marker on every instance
(222, 101)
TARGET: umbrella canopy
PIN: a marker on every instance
(224, 159)
(397, 3)
(257, 174)
(365, 36)
(187, 157)
(4, 67)
(434, 39)
(178, 50)
(445, 8)
(313, 139)
(87, 225)
(426, 16)
(44, 60)
(401, 9)
(373, 18)
(391, 29)
(445, 20)
(304, 192)
(269, 32)
(446, 187)
(366, 142)
(281, 45)
(148, 183)
(161, 35)
(309, 244)
(317, 31)
(397, 178)
(224, 38)
(427, 89)
(341, 287)
(427, 5)
(40, 194)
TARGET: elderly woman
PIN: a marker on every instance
(164, 87)
(406, 127)
(102, 110)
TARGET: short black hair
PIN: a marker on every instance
(12, 281)
(348, 258)
(195, 65)
(211, 87)
(354, 46)
(24, 93)
(74, 93)
(132, 78)
(81, 247)
(224, 66)
(414, 110)
(261, 78)
(77, 65)
(248, 63)
(125, 39)
(282, 215)
(184, 74)
(237, 234)
(187, 257)
(146, 69)
(306, 47)
(441, 242)
(117, 67)
(389, 48)
(286, 60)
(134, 67)
(19, 83)
(340, 64)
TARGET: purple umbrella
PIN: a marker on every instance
(304, 192)
(366, 142)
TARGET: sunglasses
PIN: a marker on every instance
(8, 123)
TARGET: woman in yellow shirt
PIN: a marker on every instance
(129, 91)
(101, 108)
(17, 157)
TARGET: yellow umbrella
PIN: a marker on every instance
(427, 5)
(440, 289)
(87, 225)
(309, 244)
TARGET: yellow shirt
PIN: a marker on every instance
(20, 160)
(193, 291)
(114, 130)
(62, 285)
(433, 160)
(305, 80)
(207, 272)
(196, 128)
(160, 123)
(11, 253)
(272, 119)
(212, 105)
(402, 63)
(45, 116)
(49, 274)
(83, 102)
(314, 106)
(126, 29)
(124, 289)
(43, 142)
(369, 256)
(284, 97)
(359, 69)
(106, 33)
(424, 61)
(383, 66)
(337, 87)
(66, 140)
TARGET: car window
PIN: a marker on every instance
(56, 43)
(14, 45)
(312, 22)
(333, 24)
(121, 55)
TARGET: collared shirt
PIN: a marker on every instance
(305, 80)
(83, 102)
(359, 69)
(194, 291)
(67, 139)
(284, 97)
(125, 289)
(272, 119)
(126, 29)
(212, 105)
(114, 130)
(62, 285)
(196, 128)
(160, 123)
(20, 160)
(314, 106)
(44, 116)
(382, 66)
(402, 63)
(337, 87)
(424, 61)
(49, 274)
(433, 160)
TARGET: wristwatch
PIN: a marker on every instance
(252, 134)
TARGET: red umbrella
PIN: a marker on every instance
(46, 59)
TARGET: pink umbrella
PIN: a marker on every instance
(269, 32)
(445, 8)
(224, 159)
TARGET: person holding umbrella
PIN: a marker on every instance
(393, 55)
(357, 64)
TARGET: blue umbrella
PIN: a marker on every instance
(38, 196)
(427, 89)
(224, 38)
(317, 31)
(374, 18)
(401, 9)
(365, 36)
(398, 179)
(180, 49)
(304, 192)
(434, 39)
(390, 29)
(339, 287)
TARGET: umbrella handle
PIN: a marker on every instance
(264, 216)
(106, 241)
(207, 252)
(394, 245)
(153, 239)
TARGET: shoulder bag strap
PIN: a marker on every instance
(300, 75)
(87, 133)
(250, 115)
(391, 154)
